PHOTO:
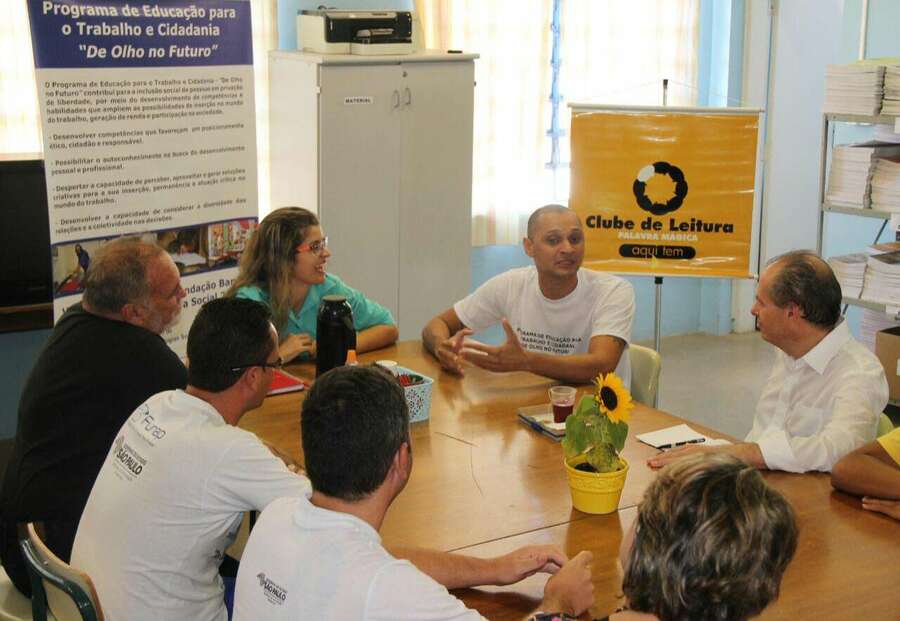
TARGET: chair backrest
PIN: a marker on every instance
(885, 425)
(56, 586)
(645, 366)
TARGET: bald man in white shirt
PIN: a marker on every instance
(561, 320)
(826, 390)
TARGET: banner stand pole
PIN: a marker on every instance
(657, 332)
(658, 280)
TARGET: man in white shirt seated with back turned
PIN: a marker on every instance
(826, 391)
(322, 558)
(173, 490)
(561, 321)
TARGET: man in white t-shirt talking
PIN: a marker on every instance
(561, 321)
(322, 558)
(171, 494)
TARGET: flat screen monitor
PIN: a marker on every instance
(25, 269)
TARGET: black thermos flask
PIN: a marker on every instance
(335, 334)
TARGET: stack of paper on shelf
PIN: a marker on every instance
(891, 102)
(850, 270)
(854, 89)
(872, 322)
(882, 280)
(852, 167)
(885, 186)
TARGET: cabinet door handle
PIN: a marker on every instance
(396, 98)
(408, 95)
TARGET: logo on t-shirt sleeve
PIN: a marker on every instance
(144, 424)
(275, 593)
(127, 460)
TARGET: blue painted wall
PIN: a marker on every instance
(19, 351)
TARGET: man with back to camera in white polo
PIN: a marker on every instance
(561, 321)
(826, 391)
(322, 557)
(180, 475)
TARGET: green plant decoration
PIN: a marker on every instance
(599, 425)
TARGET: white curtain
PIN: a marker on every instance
(612, 51)
(20, 127)
(512, 103)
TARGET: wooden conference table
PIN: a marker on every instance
(485, 484)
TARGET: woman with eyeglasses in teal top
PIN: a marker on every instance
(284, 265)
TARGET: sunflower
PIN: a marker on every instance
(612, 397)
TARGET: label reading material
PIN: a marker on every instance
(357, 100)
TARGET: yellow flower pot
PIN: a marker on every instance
(595, 492)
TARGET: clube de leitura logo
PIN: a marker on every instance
(648, 172)
(652, 194)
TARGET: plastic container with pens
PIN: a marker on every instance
(417, 388)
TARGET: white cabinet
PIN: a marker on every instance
(381, 149)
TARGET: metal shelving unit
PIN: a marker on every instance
(851, 211)
(828, 123)
(875, 306)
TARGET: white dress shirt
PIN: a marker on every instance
(816, 409)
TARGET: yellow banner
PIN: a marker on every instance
(665, 192)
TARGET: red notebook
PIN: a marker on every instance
(285, 382)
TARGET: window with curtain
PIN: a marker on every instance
(609, 51)
(20, 126)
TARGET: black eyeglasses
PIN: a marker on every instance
(278, 364)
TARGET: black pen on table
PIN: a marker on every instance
(674, 444)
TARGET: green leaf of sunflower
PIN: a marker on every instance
(578, 436)
(617, 433)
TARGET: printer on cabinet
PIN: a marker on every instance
(329, 31)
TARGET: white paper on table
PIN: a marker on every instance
(679, 435)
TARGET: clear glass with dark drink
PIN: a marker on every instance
(562, 398)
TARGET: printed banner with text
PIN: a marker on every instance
(665, 191)
(149, 131)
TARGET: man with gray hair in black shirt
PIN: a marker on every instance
(103, 359)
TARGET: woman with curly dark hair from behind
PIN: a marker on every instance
(711, 542)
